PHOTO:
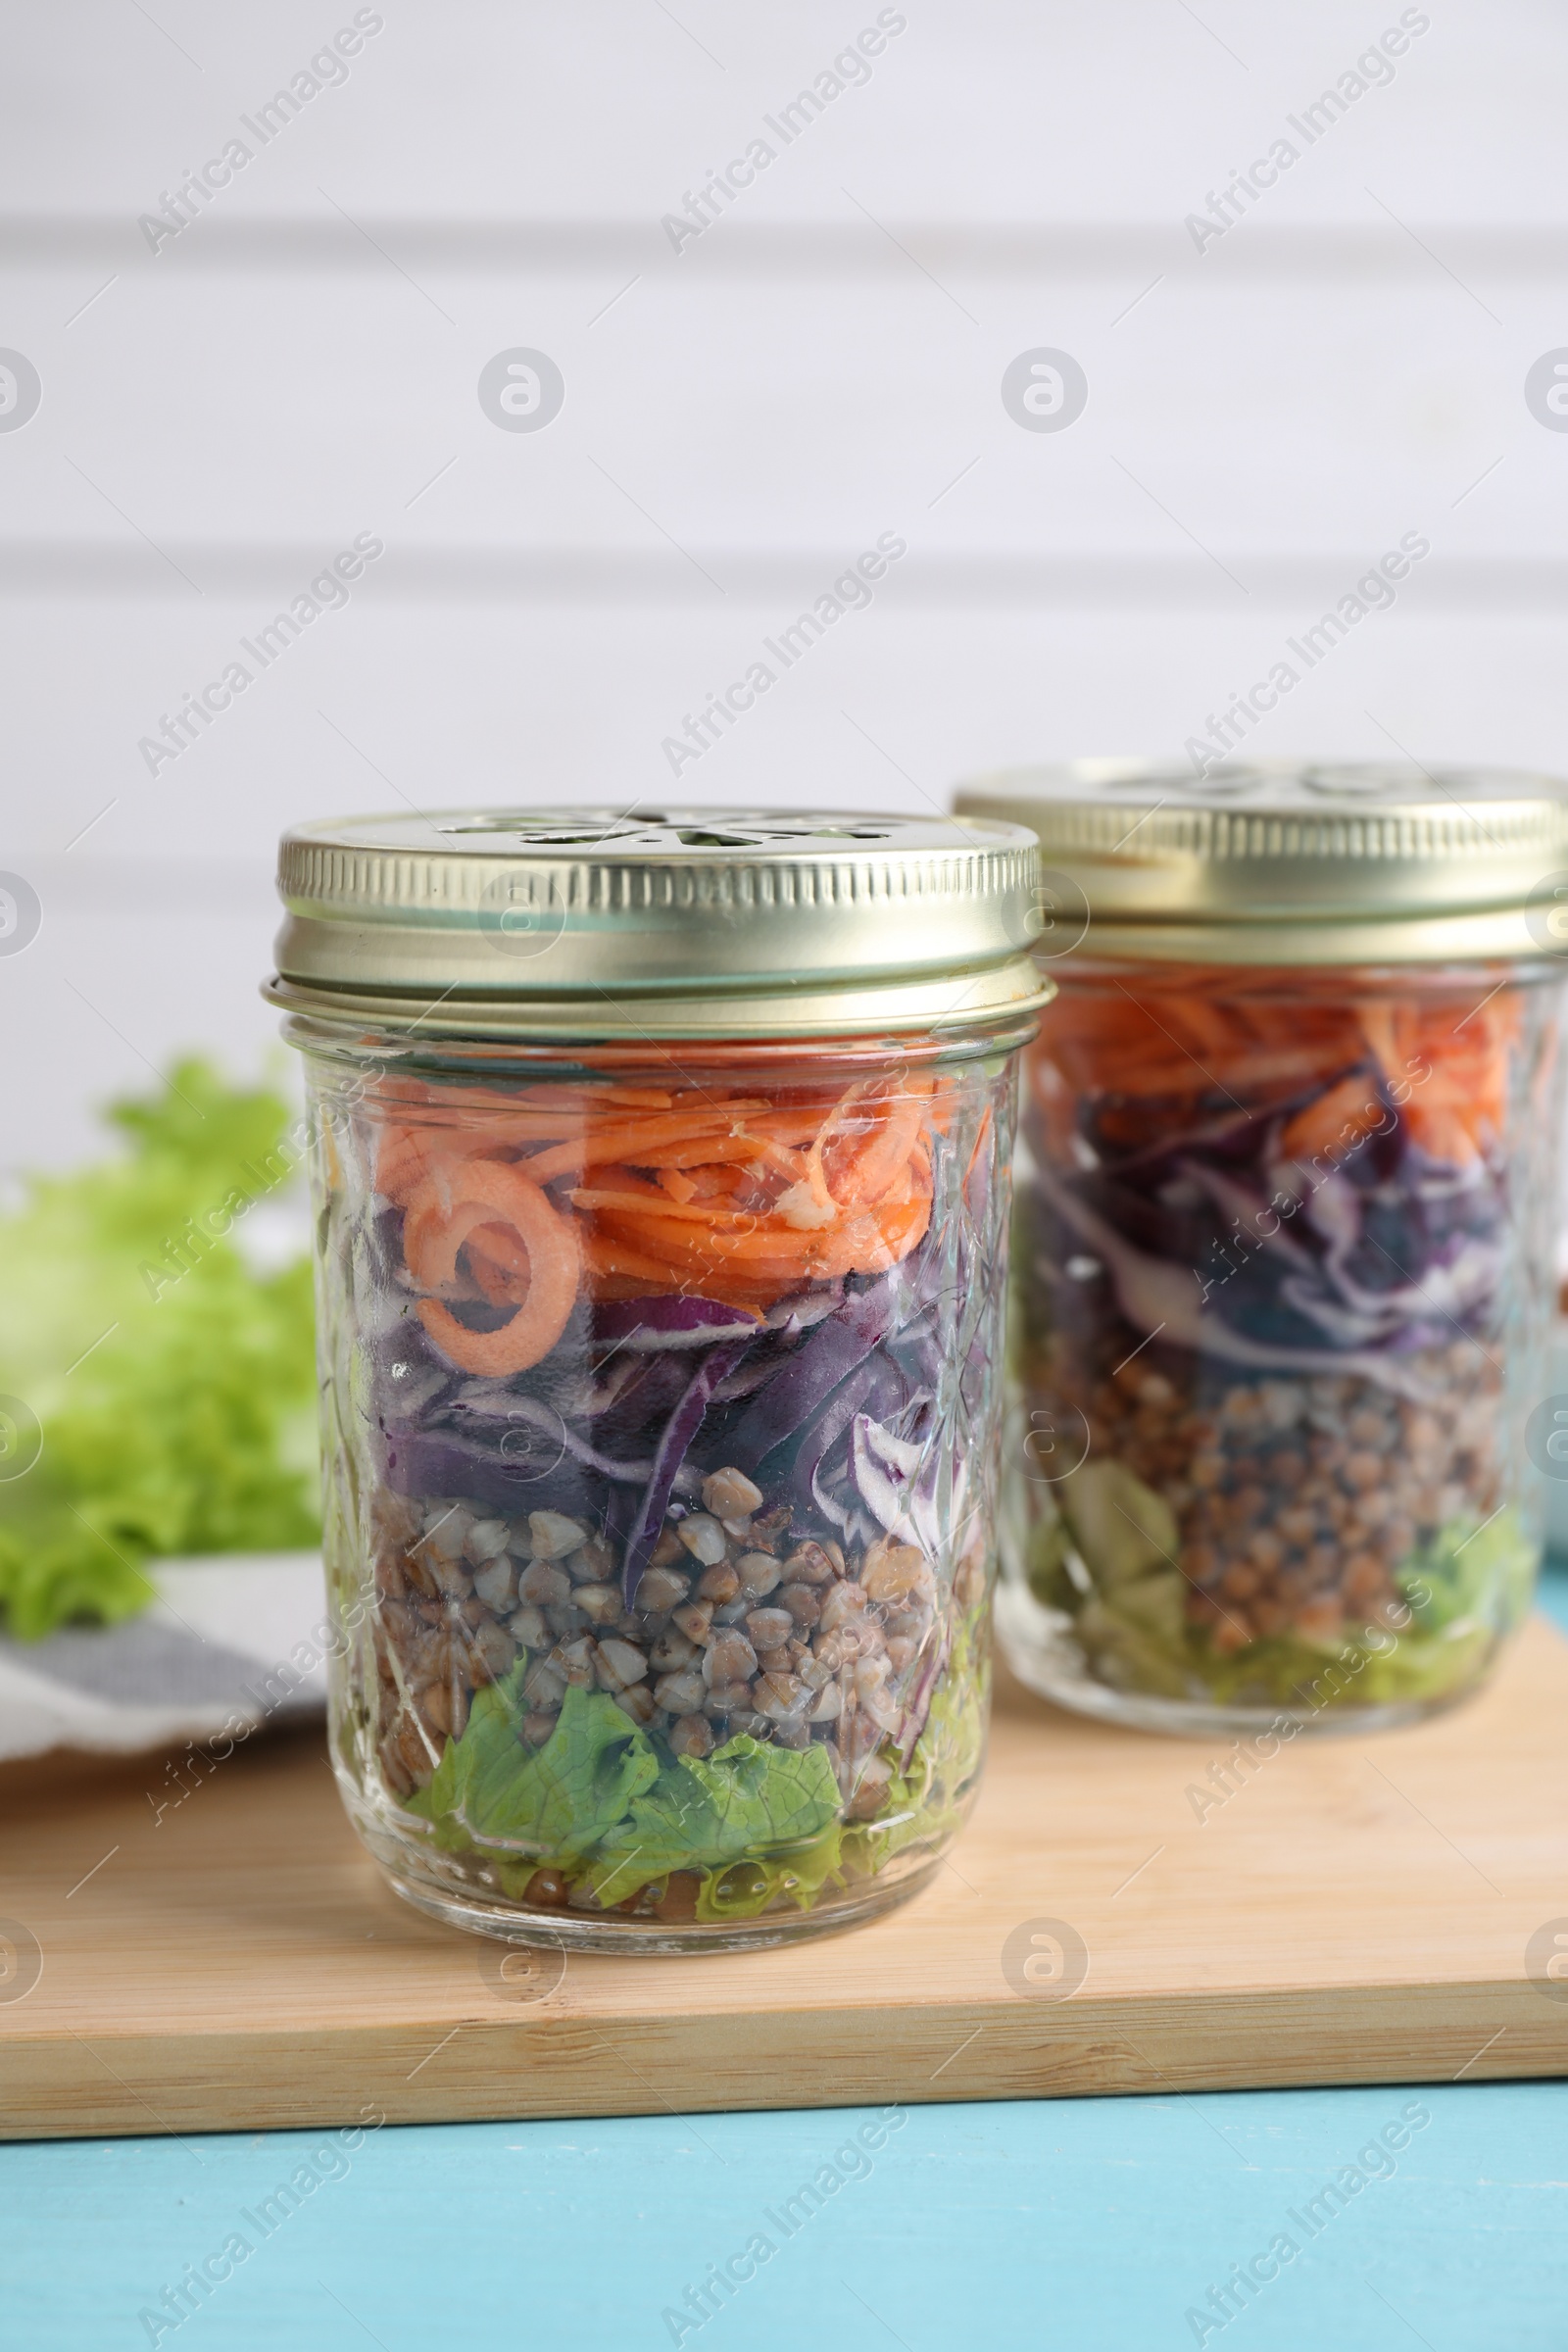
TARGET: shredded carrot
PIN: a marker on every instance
(631, 1142)
(1336, 1121)
(407, 1156)
(698, 1212)
(628, 1180)
(861, 1172)
(1179, 1041)
(717, 1151)
(982, 1137)
(799, 1124)
(605, 1258)
(563, 1094)
(739, 1197)
(1451, 1061)
(771, 1249)
(1197, 1043)
(719, 1179)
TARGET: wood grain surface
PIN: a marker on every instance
(1356, 1910)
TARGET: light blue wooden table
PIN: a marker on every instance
(1081, 2224)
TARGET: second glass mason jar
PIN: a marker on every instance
(1284, 1242)
(662, 1170)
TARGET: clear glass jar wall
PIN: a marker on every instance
(1281, 1257)
(663, 1405)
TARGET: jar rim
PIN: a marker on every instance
(327, 1036)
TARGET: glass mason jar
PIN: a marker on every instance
(662, 1183)
(1284, 1241)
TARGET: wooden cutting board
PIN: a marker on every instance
(1356, 1910)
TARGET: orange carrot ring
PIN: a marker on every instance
(436, 1224)
(437, 1227)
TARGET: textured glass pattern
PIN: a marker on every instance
(661, 1411)
(1283, 1273)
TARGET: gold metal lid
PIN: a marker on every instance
(1275, 862)
(591, 923)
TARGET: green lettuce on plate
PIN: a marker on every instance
(174, 1387)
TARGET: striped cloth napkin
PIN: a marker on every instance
(229, 1644)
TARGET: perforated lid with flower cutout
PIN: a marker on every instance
(1290, 863)
(675, 922)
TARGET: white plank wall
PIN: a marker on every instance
(823, 364)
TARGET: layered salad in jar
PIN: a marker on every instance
(1276, 1336)
(662, 1487)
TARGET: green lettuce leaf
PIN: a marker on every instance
(560, 1801)
(615, 1811)
(1470, 1586)
(930, 1799)
(707, 1813)
(1486, 1572)
(800, 1873)
(176, 1388)
(1465, 1590)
